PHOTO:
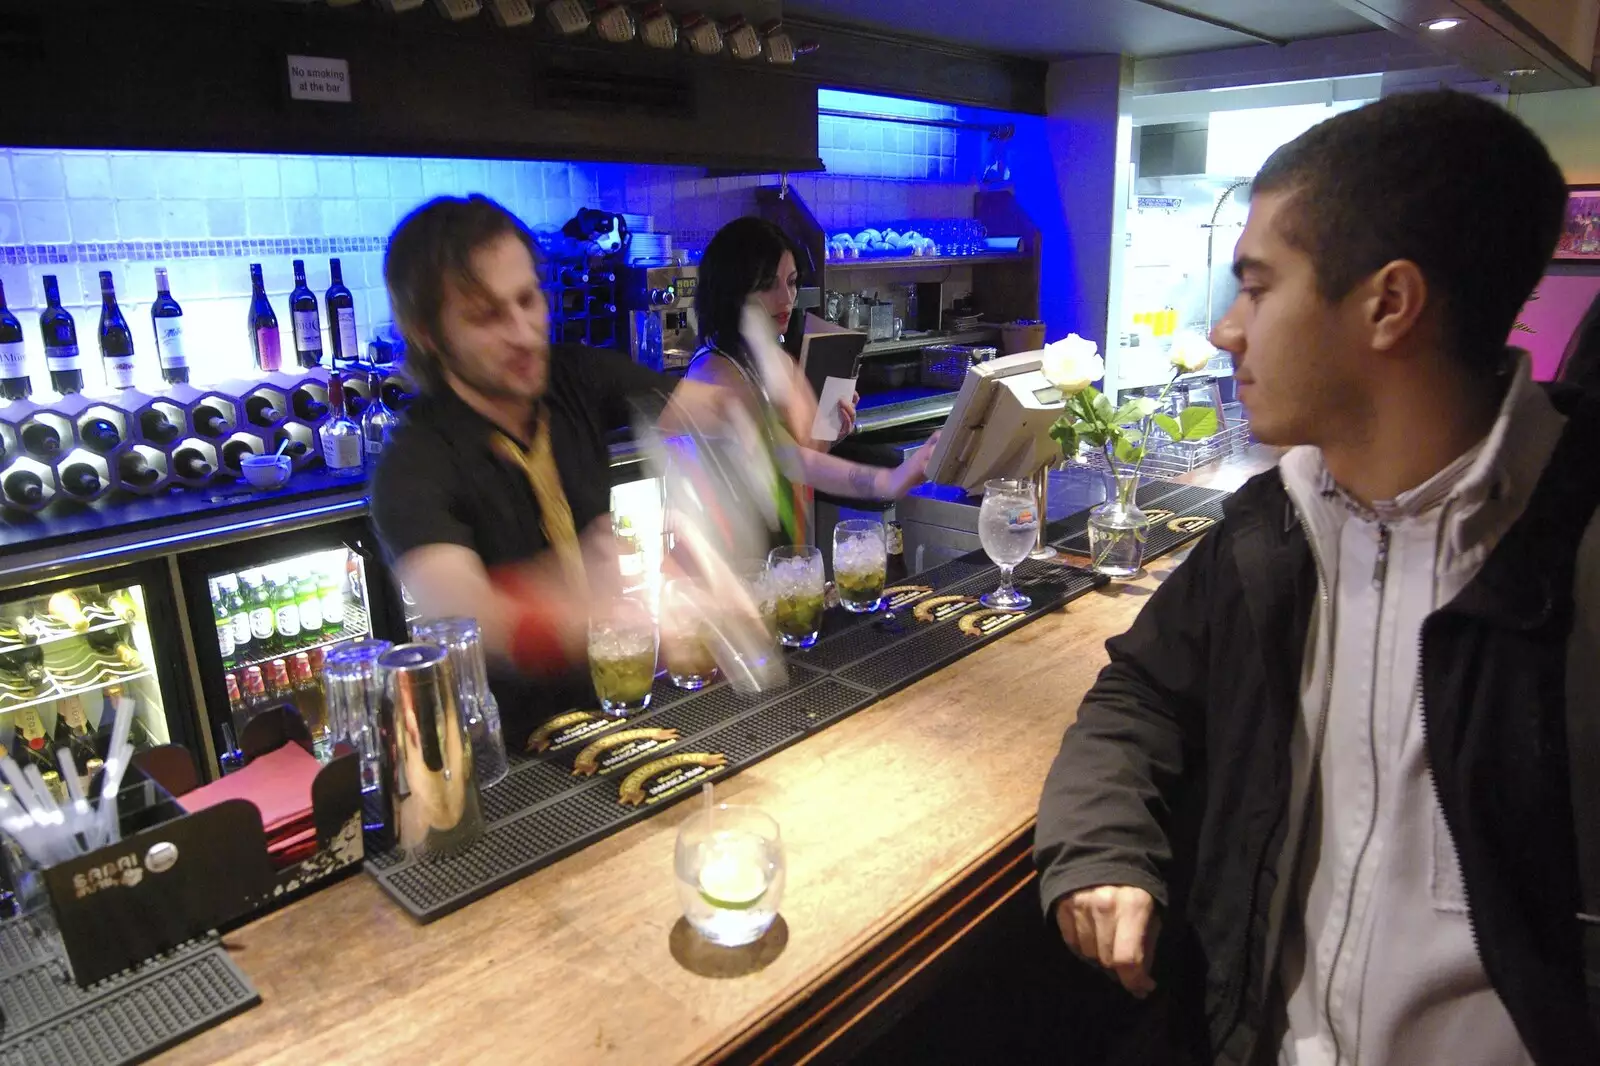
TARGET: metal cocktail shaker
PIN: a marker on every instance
(461, 638)
(430, 783)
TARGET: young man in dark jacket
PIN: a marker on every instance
(1316, 809)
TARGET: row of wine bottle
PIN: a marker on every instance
(66, 365)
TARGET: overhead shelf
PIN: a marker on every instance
(976, 335)
(924, 262)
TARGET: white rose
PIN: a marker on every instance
(1191, 352)
(1072, 364)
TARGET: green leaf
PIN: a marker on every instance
(1095, 435)
(1169, 425)
(1198, 423)
(1127, 451)
(1104, 412)
(1066, 435)
(1135, 410)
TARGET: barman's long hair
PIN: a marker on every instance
(431, 246)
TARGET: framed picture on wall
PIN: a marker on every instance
(1580, 234)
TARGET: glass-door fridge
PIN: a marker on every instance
(265, 612)
(71, 649)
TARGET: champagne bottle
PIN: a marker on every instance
(14, 381)
(116, 339)
(73, 732)
(28, 743)
(307, 322)
(341, 318)
(113, 646)
(263, 324)
(167, 318)
(60, 342)
(66, 608)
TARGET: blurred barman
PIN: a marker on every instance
(493, 502)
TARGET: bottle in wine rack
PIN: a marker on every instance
(211, 421)
(116, 339)
(234, 451)
(41, 440)
(100, 435)
(23, 487)
(112, 646)
(304, 403)
(134, 469)
(307, 320)
(263, 325)
(14, 381)
(67, 608)
(259, 410)
(29, 745)
(73, 732)
(167, 318)
(61, 356)
(341, 318)
(191, 463)
(80, 480)
(157, 427)
(282, 441)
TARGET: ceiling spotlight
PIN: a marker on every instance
(703, 34)
(743, 41)
(780, 49)
(614, 23)
(657, 27)
(567, 16)
(511, 12)
(458, 10)
(1440, 25)
(1521, 72)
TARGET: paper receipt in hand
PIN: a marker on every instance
(829, 423)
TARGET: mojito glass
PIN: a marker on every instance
(798, 582)
(622, 656)
(860, 560)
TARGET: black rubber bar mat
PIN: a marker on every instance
(1178, 514)
(595, 776)
(49, 1020)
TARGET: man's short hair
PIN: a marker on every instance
(1452, 182)
(433, 246)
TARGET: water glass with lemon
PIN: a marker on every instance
(729, 864)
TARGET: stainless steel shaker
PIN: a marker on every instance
(462, 639)
(430, 782)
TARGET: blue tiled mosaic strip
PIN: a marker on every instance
(162, 251)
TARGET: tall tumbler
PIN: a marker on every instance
(461, 638)
(430, 785)
(355, 697)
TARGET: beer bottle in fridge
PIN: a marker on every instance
(308, 696)
(331, 591)
(263, 625)
(286, 612)
(310, 605)
(226, 644)
(239, 615)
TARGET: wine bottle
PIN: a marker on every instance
(14, 381)
(100, 435)
(191, 463)
(73, 732)
(60, 342)
(210, 421)
(67, 609)
(259, 409)
(24, 488)
(263, 325)
(167, 318)
(341, 437)
(341, 318)
(307, 322)
(157, 427)
(116, 339)
(134, 469)
(235, 450)
(41, 439)
(80, 480)
(287, 445)
(113, 645)
(28, 663)
(306, 405)
(378, 422)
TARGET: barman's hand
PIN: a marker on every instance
(1113, 926)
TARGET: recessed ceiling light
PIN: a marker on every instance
(1521, 72)
(1440, 25)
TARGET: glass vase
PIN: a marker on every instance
(1117, 528)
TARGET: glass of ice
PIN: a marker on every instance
(622, 656)
(798, 583)
(730, 872)
(860, 559)
(684, 651)
(1008, 525)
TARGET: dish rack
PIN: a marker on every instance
(945, 366)
(1170, 459)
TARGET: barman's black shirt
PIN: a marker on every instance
(440, 482)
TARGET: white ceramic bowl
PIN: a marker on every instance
(266, 471)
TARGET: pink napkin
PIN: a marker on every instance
(278, 783)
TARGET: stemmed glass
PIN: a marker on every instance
(1008, 525)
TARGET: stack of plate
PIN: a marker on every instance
(961, 323)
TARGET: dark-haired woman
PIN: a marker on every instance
(746, 288)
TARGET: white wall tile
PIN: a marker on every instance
(133, 176)
(340, 218)
(377, 218)
(21, 294)
(372, 178)
(405, 179)
(298, 176)
(87, 174)
(225, 218)
(8, 189)
(93, 220)
(258, 175)
(67, 279)
(470, 176)
(438, 179)
(136, 282)
(182, 219)
(139, 220)
(530, 184)
(265, 218)
(305, 216)
(44, 221)
(335, 177)
(38, 175)
(217, 177)
(10, 224)
(175, 174)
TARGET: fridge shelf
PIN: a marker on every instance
(53, 635)
(356, 627)
(59, 691)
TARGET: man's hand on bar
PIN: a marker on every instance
(1115, 927)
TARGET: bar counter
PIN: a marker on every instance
(903, 826)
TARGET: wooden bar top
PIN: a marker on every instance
(588, 961)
